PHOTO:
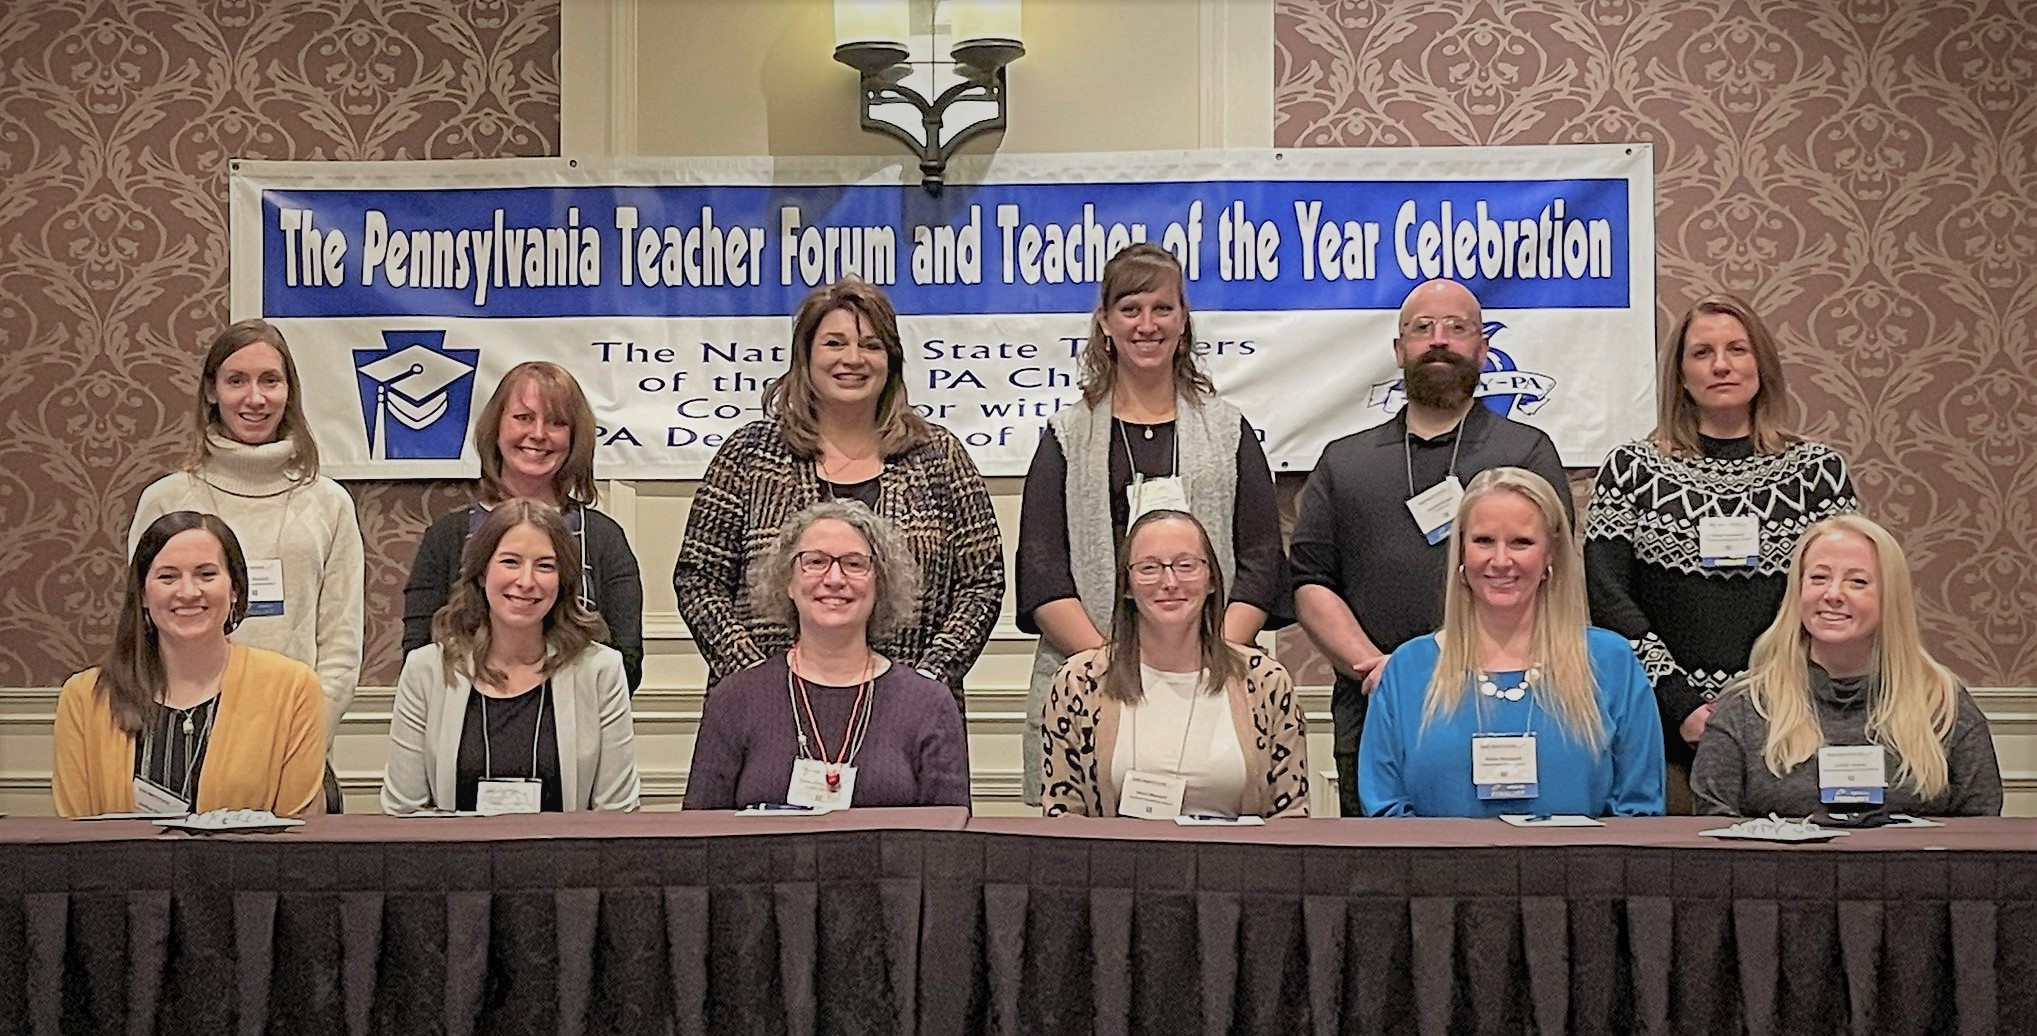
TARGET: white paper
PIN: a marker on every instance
(1152, 796)
(1559, 820)
(1249, 820)
(1724, 541)
(810, 786)
(1435, 508)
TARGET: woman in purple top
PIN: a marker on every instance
(829, 722)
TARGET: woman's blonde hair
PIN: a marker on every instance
(1913, 701)
(793, 401)
(1568, 689)
(559, 395)
(461, 628)
(1135, 270)
(1676, 414)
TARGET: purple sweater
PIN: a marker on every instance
(915, 753)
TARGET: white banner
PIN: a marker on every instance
(407, 289)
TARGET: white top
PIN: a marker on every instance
(1181, 730)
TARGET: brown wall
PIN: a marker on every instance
(1863, 172)
(116, 123)
(1866, 181)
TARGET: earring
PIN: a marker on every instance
(1110, 347)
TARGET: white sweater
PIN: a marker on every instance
(310, 527)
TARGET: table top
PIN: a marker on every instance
(1987, 834)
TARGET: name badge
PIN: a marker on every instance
(150, 797)
(1435, 508)
(1852, 774)
(1504, 767)
(1152, 796)
(265, 586)
(508, 795)
(817, 784)
(1155, 494)
(1729, 542)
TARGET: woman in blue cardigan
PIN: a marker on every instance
(1516, 705)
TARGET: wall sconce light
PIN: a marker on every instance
(893, 45)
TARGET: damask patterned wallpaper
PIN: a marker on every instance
(1863, 172)
(117, 118)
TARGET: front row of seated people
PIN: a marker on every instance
(1516, 705)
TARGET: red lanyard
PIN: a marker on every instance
(834, 776)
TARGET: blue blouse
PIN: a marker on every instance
(1406, 770)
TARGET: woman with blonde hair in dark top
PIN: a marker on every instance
(1842, 707)
(535, 440)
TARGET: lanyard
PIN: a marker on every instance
(192, 748)
(488, 736)
(859, 712)
(1132, 464)
(1407, 442)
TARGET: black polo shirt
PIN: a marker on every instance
(1354, 534)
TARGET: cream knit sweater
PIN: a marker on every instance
(310, 527)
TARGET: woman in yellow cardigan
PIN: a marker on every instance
(179, 717)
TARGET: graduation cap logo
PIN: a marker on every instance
(1503, 387)
(415, 395)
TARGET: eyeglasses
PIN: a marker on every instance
(1454, 328)
(1184, 569)
(817, 563)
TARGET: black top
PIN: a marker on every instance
(614, 587)
(501, 745)
(1354, 534)
(914, 750)
(171, 758)
(1044, 575)
(1731, 777)
(1694, 625)
(864, 491)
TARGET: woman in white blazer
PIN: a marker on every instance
(515, 706)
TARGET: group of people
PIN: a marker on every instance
(1729, 637)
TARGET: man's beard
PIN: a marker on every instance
(1443, 386)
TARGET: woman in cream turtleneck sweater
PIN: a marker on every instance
(253, 464)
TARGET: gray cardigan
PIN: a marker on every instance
(1730, 778)
(597, 756)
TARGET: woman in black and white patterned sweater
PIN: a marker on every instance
(1689, 533)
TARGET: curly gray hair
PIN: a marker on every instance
(897, 574)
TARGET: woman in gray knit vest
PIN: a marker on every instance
(1149, 433)
(1842, 708)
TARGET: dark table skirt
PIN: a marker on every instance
(908, 922)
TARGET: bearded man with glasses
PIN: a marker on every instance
(1368, 549)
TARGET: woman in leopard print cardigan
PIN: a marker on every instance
(1105, 722)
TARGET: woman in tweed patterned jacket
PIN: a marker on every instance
(837, 426)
